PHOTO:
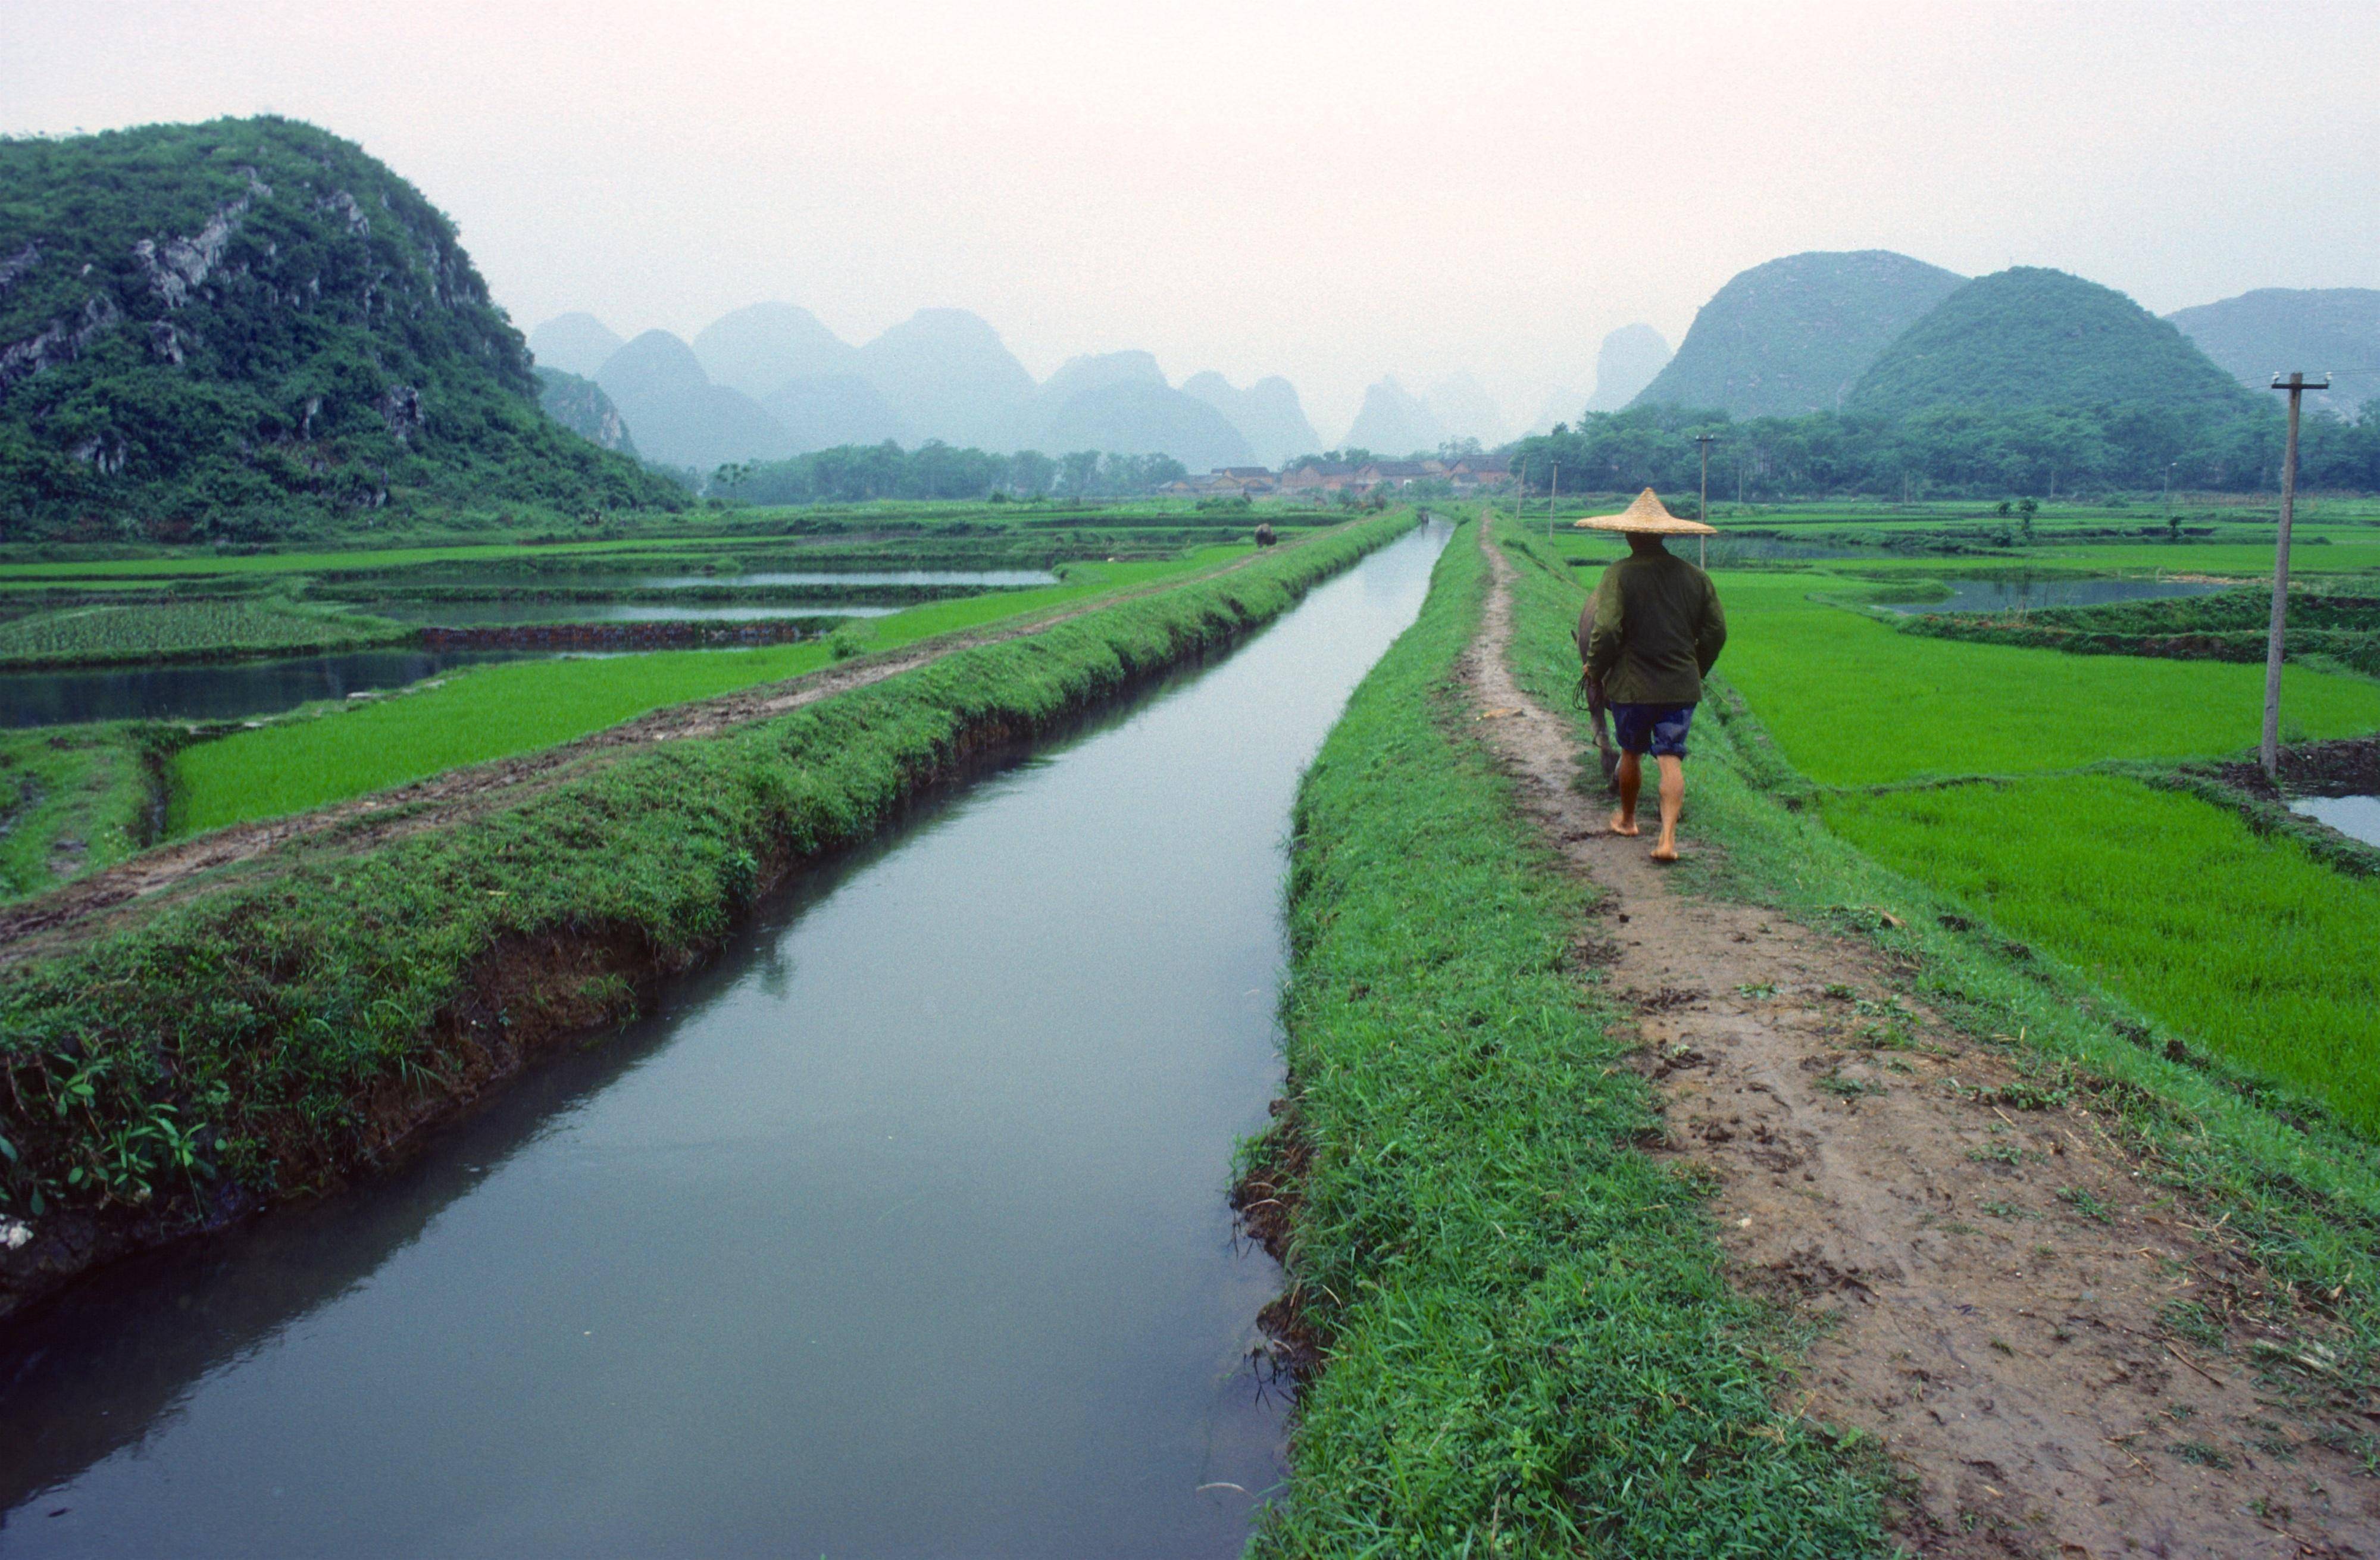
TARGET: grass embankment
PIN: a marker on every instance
(131, 633)
(71, 800)
(258, 1036)
(2232, 626)
(2299, 1187)
(1530, 1346)
(497, 712)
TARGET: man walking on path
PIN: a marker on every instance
(1648, 634)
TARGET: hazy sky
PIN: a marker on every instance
(1332, 191)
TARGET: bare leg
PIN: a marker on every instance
(1632, 780)
(1673, 798)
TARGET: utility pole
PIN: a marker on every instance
(2168, 496)
(1702, 544)
(1553, 497)
(2296, 385)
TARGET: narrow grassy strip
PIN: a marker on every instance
(2300, 1187)
(72, 800)
(119, 634)
(1531, 1348)
(268, 1033)
(331, 753)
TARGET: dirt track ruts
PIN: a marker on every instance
(32, 927)
(2003, 1340)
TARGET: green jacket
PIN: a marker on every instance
(1651, 631)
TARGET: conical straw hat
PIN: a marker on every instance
(1646, 518)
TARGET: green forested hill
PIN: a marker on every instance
(1790, 336)
(2030, 336)
(250, 327)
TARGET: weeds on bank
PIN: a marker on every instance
(1531, 1348)
(267, 1030)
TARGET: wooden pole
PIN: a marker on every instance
(1553, 497)
(1701, 544)
(2270, 753)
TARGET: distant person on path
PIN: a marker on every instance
(1648, 634)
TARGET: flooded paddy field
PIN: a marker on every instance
(899, 1231)
(220, 691)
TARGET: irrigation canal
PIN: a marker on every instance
(899, 1232)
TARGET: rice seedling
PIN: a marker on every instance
(2242, 942)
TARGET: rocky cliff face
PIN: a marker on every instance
(580, 405)
(229, 327)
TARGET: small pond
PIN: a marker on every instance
(475, 614)
(596, 580)
(2356, 817)
(218, 691)
(2032, 594)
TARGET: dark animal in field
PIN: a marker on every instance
(1590, 693)
(1264, 534)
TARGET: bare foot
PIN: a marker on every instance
(1624, 824)
(1666, 851)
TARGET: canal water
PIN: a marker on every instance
(899, 1232)
(218, 691)
(2032, 594)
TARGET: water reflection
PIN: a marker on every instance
(470, 614)
(230, 691)
(2356, 817)
(899, 1232)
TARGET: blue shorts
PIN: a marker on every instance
(1659, 730)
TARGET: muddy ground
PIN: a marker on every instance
(2048, 1347)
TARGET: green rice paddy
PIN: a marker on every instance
(2242, 943)
(126, 632)
(1854, 701)
(498, 711)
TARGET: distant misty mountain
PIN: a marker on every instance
(1267, 415)
(1138, 416)
(1393, 423)
(580, 405)
(578, 343)
(757, 349)
(680, 418)
(824, 411)
(1463, 408)
(770, 380)
(1794, 335)
(2029, 336)
(2277, 330)
(1097, 371)
(1632, 358)
(950, 376)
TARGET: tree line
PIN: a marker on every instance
(854, 474)
(1951, 451)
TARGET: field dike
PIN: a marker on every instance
(2092, 1292)
(1526, 1344)
(258, 1036)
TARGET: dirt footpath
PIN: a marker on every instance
(2010, 1307)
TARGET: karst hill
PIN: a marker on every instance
(251, 327)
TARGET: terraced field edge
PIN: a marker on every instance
(260, 1041)
(1522, 1338)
